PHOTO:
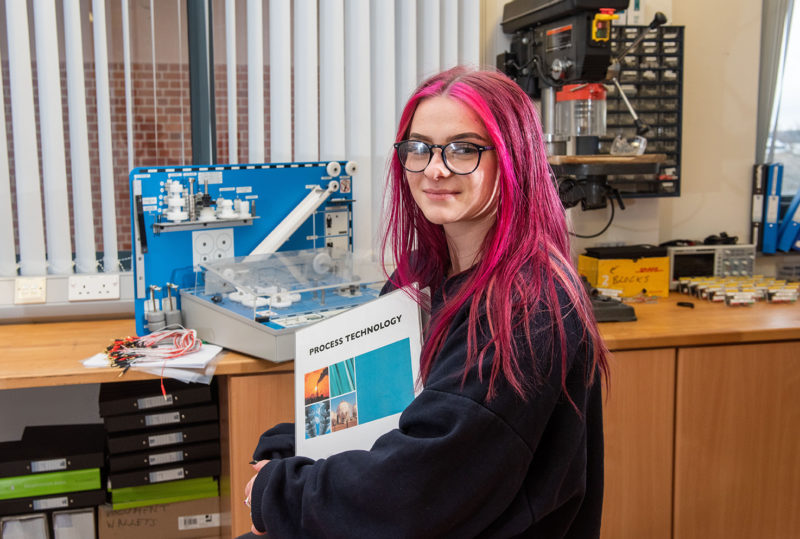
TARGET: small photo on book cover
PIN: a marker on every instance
(344, 412)
(317, 386)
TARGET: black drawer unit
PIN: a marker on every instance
(652, 78)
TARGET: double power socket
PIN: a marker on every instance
(82, 287)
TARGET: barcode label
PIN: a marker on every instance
(162, 419)
(165, 439)
(196, 522)
(165, 458)
(166, 475)
(48, 465)
(50, 503)
(154, 402)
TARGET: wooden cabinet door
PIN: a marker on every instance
(249, 405)
(638, 414)
(737, 450)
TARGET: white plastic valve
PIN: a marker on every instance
(225, 208)
(333, 169)
(351, 168)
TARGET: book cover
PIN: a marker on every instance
(53, 448)
(160, 457)
(141, 441)
(772, 208)
(757, 207)
(787, 231)
(42, 484)
(189, 415)
(67, 500)
(160, 493)
(355, 373)
(145, 395)
(163, 474)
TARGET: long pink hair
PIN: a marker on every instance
(528, 240)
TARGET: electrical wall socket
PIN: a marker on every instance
(30, 290)
(93, 287)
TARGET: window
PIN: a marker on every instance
(786, 137)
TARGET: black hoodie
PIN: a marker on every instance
(458, 465)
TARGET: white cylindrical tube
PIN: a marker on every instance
(383, 125)
(107, 188)
(469, 32)
(429, 49)
(406, 13)
(280, 81)
(449, 43)
(54, 165)
(255, 82)
(357, 111)
(306, 81)
(232, 70)
(296, 217)
(83, 214)
(26, 168)
(331, 66)
(8, 255)
(126, 61)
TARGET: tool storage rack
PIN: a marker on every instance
(652, 77)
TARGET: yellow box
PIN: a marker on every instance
(647, 275)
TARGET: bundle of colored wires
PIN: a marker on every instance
(168, 343)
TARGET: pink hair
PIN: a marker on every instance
(528, 239)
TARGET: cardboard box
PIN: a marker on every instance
(632, 270)
(193, 519)
(24, 527)
(76, 524)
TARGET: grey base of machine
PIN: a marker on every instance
(220, 326)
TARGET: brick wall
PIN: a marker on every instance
(161, 129)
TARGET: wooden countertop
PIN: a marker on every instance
(665, 324)
(48, 354)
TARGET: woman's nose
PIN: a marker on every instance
(436, 168)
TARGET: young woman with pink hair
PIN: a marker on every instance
(506, 438)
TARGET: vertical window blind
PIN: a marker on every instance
(91, 90)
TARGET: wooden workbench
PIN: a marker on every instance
(701, 420)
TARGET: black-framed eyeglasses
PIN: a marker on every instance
(458, 157)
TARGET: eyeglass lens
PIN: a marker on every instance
(459, 157)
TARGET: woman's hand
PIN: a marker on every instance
(248, 489)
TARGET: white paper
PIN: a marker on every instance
(201, 359)
(354, 375)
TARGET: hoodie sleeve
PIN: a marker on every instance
(276, 443)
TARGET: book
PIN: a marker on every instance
(772, 207)
(53, 448)
(141, 395)
(757, 207)
(140, 441)
(174, 416)
(355, 373)
(163, 474)
(67, 500)
(160, 457)
(787, 231)
(160, 493)
(42, 484)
